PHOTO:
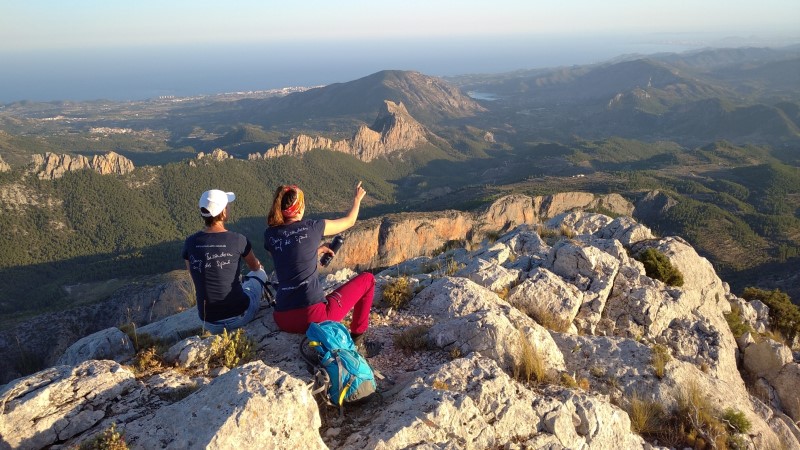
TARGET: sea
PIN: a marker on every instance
(139, 73)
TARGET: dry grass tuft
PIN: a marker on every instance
(529, 364)
(646, 415)
(659, 358)
(440, 385)
(413, 338)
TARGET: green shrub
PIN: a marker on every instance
(783, 314)
(230, 350)
(181, 393)
(735, 323)
(397, 293)
(657, 266)
(568, 381)
(736, 421)
(108, 439)
(493, 236)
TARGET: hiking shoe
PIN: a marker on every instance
(369, 349)
(366, 348)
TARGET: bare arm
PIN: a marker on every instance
(252, 262)
(336, 226)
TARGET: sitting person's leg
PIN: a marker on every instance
(357, 295)
(254, 290)
(297, 320)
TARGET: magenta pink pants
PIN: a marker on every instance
(356, 294)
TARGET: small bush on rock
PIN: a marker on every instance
(568, 381)
(413, 338)
(736, 421)
(108, 439)
(735, 323)
(230, 350)
(657, 266)
(148, 361)
(398, 292)
(699, 419)
(783, 314)
(450, 245)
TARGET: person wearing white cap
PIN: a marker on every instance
(213, 257)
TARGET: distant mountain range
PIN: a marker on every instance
(698, 127)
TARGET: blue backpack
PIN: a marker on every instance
(338, 367)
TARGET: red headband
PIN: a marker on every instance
(294, 209)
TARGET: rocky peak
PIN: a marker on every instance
(52, 165)
(556, 285)
(111, 163)
(217, 155)
(394, 130)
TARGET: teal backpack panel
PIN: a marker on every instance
(351, 377)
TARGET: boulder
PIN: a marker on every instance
(547, 298)
(490, 274)
(58, 403)
(766, 358)
(787, 386)
(470, 318)
(592, 270)
(173, 328)
(579, 222)
(252, 406)
(472, 403)
(110, 343)
(626, 230)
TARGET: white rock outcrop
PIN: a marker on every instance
(110, 343)
(607, 323)
(59, 403)
(51, 165)
(253, 406)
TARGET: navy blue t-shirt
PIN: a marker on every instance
(294, 249)
(214, 260)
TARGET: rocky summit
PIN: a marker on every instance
(546, 334)
(394, 130)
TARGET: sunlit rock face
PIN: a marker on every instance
(51, 166)
(393, 131)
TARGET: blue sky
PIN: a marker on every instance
(59, 24)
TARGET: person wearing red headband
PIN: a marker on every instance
(294, 244)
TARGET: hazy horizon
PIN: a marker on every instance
(95, 49)
(186, 70)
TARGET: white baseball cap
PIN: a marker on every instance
(214, 201)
